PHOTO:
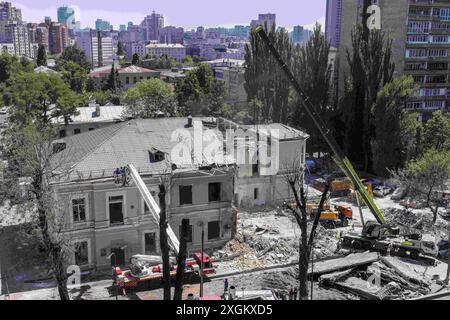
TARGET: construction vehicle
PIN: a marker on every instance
(373, 231)
(145, 268)
(332, 216)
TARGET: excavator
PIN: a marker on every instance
(146, 268)
(374, 233)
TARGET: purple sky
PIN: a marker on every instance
(180, 12)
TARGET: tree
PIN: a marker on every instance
(214, 99)
(149, 98)
(181, 260)
(162, 62)
(264, 79)
(370, 69)
(74, 75)
(136, 60)
(188, 61)
(113, 83)
(437, 132)
(120, 49)
(42, 56)
(101, 97)
(389, 145)
(10, 65)
(199, 91)
(76, 55)
(294, 178)
(163, 238)
(41, 97)
(28, 147)
(313, 70)
(426, 177)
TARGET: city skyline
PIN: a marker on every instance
(176, 12)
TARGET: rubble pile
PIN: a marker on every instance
(416, 222)
(244, 257)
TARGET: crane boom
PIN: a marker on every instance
(342, 161)
(153, 207)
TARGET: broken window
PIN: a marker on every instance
(77, 131)
(189, 237)
(116, 210)
(256, 193)
(79, 210)
(213, 230)
(156, 156)
(214, 192)
(150, 243)
(185, 195)
(62, 133)
(81, 253)
(146, 209)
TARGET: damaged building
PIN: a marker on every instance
(103, 217)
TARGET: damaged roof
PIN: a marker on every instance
(96, 154)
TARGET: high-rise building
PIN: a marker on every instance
(58, 37)
(102, 25)
(66, 16)
(97, 45)
(421, 46)
(171, 35)
(152, 25)
(333, 22)
(122, 28)
(18, 38)
(268, 19)
(9, 13)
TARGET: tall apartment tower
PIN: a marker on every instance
(420, 31)
(58, 37)
(265, 18)
(152, 25)
(333, 22)
(18, 36)
(97, 45)
(66, 16)
(427, 55)
(9, 13)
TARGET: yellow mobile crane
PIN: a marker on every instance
(373, 232)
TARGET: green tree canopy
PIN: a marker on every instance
(42, 56)
(136, 60)
(76, 55)
(389, 146)
(312, 68)
(426, 178)
(149, 98)
(74, 75)
(38, 98)
(437, 132)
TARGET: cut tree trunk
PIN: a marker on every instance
(181, 261)
(164, 242)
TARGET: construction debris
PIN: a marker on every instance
(350, 261)
(406, 271)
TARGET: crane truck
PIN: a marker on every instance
(145, 269)
(375, 234)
